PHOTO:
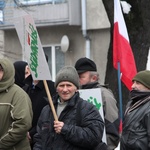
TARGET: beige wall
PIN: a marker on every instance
(52, 35)
(99, 38)
(96, 15)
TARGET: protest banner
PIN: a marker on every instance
(34, 52)
(94, 96)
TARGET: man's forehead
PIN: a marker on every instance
(65, 83)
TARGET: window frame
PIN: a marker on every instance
(53, 66)
(37, 2)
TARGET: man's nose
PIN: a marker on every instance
(133, 85)
(65, 88)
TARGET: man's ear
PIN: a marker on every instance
(94, 78)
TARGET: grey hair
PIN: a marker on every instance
(92, 73)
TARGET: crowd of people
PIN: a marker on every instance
(27, 121)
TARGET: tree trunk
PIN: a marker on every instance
(137, 22)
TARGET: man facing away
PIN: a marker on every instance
(37, 93)
(89, 78)
(136, 124)
(15, 111)
(80, 126)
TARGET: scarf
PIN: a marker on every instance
(138, 98)
(136, 95)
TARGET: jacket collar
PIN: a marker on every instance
(90, 85)
(71, 102)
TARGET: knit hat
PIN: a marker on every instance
(143, 77)
(67, 73)
(85, 64)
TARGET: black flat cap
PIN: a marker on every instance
(85, 64)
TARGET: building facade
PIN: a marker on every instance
(68, 30)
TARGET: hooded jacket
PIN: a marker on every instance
(15, 111)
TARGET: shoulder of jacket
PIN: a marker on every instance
(15, 88)
(106, 91)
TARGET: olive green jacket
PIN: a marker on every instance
(15, 112)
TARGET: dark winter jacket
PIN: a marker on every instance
(110, 114)
(72, 137)
(15, 111)
(38, 98)
(136, 125)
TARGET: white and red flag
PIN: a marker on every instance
(122, 52)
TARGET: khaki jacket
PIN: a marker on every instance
(15, 112)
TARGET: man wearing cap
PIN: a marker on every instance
(71, 132)
(89, 78)
(136, 124)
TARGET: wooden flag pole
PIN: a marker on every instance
(50, 100)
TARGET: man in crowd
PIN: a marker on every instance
(79, 125)
(136, 124)
(37, 93)
(15, 111)
(22, 71)
(89, 78)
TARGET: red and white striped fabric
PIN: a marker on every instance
(122, 51)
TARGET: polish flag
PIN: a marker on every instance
(122, 52)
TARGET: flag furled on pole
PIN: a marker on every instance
(122, 52)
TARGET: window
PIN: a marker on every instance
(37, 2)
(56, 59)
(1, 16)
(2, 5)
